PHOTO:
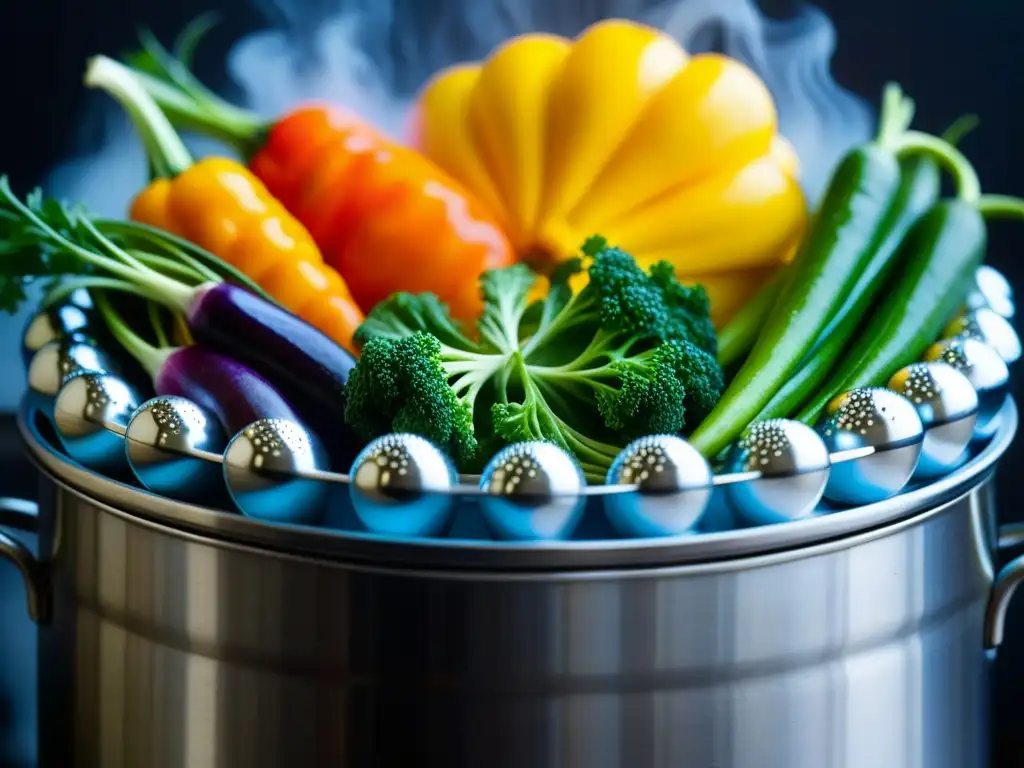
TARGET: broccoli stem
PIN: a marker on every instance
(503, 331)
(609, 346)
(594, 457)
(468, 387)
(589, 377)
(582, 307)
(615, 361)
(469, 372)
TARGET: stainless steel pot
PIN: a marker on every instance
(173, 636)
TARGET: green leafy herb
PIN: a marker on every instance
(42, 238)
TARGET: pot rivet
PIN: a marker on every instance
(162, 440)
(988, 327)
(91, 414)
(947, 405)
(986, 371)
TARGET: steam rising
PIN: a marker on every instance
(373, 55)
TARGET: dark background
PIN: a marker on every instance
(952, 56)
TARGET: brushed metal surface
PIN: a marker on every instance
(165, 647)
(172, 650)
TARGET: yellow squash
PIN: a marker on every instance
(620, 132)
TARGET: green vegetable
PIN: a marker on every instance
(939, 255)
(918, 191)
(631, 354)
(740, 333)
(851, 225)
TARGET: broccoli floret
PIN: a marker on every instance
(688, 307)
(632, 353)
(676, 382)
(417, 384)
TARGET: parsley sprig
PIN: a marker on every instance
(66, 247)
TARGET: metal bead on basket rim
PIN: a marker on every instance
(54, 324)
(533, 492)
(794, 466)
(270, 471)
(673, 487)
(987, 372)
(164, 442)
(992, 289)
(55, 361)
(988, 327)
(879, 420)
(401, 485)
(947, 405)
(91, 414)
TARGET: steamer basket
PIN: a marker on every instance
(602, 552)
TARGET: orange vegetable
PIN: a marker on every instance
(386, 217)
(619, 132)
(219, 205)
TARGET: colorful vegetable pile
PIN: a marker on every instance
(544, 262)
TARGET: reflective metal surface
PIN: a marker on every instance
(947, 405)
(189, 652)
(24, 515)
(260, 464)
(401, 486)
(878, 418)
(795, 464)
(986, 371)
(988, 326)
(54, 362)
(91, 414)
(673, 485)
(353, 546)
(160, 437)
(534, 493)
(169, 649)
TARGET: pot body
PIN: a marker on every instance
(171, 650)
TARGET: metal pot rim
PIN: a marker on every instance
(513, 556)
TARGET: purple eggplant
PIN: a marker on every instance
(300, 361)
(303, 362)
(233, 393)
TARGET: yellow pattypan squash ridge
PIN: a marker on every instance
(621, 132)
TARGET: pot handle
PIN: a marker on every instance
(24, 515)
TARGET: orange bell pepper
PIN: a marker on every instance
(386, 217)
(621, 132)
(219, 205)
